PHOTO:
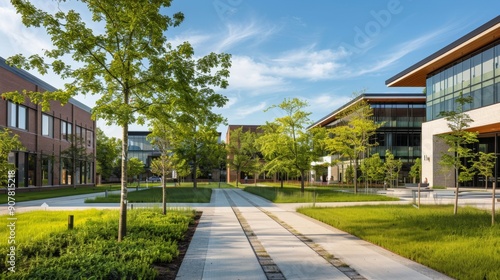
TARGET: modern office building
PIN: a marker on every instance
(402, 116)
(59, 144)
(139, 146)
(469, 66)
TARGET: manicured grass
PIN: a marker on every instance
(464, 246)
(320, 194)
(66, 191)
(45, 249)
(154, 195)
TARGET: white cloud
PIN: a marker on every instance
(244, 111)
(238, 33)
(249, 74)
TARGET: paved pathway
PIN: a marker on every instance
(294, 245)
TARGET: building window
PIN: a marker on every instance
(17, 116)
(47, 126)
(46, 171)
(90, 139)
(66, 130)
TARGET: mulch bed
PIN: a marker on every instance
(169, 270)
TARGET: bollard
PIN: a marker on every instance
(70, 221)
(131, 206)
(106, 193)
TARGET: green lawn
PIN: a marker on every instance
(66, 191)
(45, 249)
(464, 246)
(313, 194)
(186, 194)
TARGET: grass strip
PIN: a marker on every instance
(311, 195)
(463, 246)
(38, 193)
(154, 195)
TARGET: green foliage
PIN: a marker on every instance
(135, 167)
(8, 143)
(458, 141)
(90, 251)
(373, 168)
(285, 143)
(173, 194)
(416, 170)
(392, 168)
(484, 165)
(351, 138)
(429, 235)
(107, 154)
(349, 174)
(294, 195)
(243, 151)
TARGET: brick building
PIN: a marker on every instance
(59, 144)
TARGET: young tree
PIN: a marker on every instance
(373, 168)
(8, 143)
(392, 168)
(458, 140)
(128, 62)
(416, 170)
(287, 140)
(484, 165)
(242, 151)
(353, 139)
(135, 167)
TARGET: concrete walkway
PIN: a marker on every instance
(293, 243)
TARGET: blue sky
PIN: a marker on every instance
(319, 51)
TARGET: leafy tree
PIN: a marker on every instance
(107, 152)
(458, 141)
(392, 168)
(349, 174)
(416, 170)
(135, 167)
(484, 165)
(286, 140)
(273, 160)
(353, 138)
(373, 168)
(128, 62)
(160, 137)
(242, 151)
(8, 143)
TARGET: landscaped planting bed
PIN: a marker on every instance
(46, 249)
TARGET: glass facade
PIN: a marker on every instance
(401, 129)
(476, 75)
(140, 147)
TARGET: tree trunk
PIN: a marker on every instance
(355, 176)
(164, 189)
(122, 225)
(302, 179)
(455, 207)
(193, 171)
(493, 203)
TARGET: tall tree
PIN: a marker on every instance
(242, 151)
(484, 165)
(8, 143)
(286, 139)
(76, 152)
(135, 167)
(353, 138)
(128, 62)
(458, 141)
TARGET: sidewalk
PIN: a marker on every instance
(221, 250)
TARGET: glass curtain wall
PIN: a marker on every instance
(477, 75)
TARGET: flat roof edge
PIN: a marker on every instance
(484, 27)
